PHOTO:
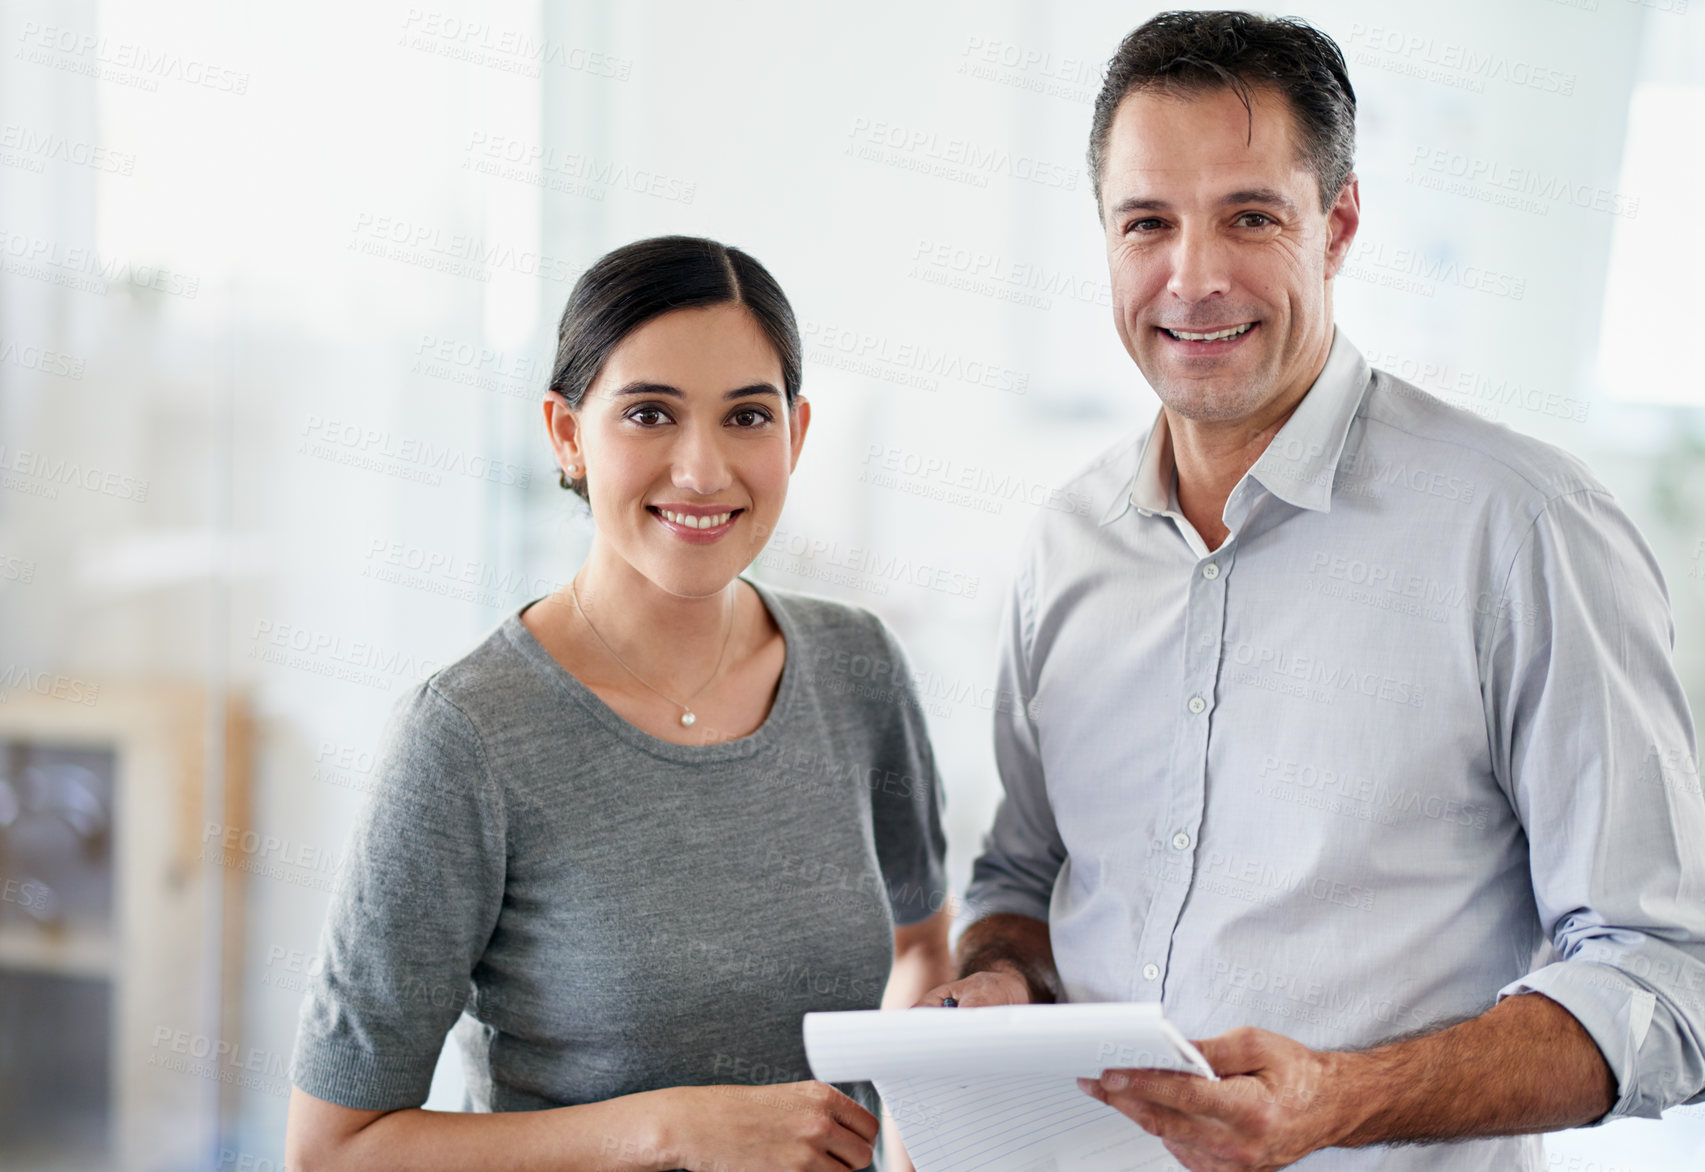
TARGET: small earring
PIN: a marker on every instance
(574, 471)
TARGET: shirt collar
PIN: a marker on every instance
(1300, 461)
(1150, 490)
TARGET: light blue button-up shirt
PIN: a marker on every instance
(1410, 740)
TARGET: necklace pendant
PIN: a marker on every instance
(687, 718)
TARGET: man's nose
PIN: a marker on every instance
(1201, 265)
(700, 464)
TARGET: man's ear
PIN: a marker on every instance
(1342, 220)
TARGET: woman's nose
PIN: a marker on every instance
(700, 464)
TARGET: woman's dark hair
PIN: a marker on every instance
(1189, 52)
(628, 287)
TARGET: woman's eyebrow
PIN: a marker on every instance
(645, 388)
(641, 387)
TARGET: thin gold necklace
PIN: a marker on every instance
(687, 717)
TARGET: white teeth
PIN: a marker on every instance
(692, 522)
(1213, 337)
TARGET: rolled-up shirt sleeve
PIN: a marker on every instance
(1022, 853)
(1592, 740)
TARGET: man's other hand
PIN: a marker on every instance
(1276, 1102)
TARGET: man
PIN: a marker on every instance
(1346, 715)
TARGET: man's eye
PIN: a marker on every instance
(1255, 219)
(1145, 225)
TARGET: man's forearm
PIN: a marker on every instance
(1019, 944)
(1525, 1065)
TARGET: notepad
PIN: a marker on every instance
(995, 1089)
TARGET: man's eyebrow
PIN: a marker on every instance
(1266, 195)
(1134, 203)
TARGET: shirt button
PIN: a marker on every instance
(1181, 841)
(1151, 972)
(1211, 571)
(1197, 704)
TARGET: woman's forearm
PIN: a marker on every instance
(616, 1135)
(922, 960)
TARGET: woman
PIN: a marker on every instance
(647, 824)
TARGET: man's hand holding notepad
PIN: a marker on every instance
(996, 1088)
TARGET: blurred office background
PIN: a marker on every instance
(278, 295)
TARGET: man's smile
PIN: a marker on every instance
(1215, 340)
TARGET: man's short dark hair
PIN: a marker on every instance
(1188, 53)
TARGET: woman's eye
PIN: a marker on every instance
(751, 417)
(647, 416)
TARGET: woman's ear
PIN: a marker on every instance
(798, 419)
(564, 427)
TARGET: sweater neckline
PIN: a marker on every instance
(760, 738)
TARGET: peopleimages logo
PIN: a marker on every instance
(876, 563)
(326, 653)
(1452, 63)
(946, 479)
(509, 50)
(378, 449)
(39, 474)
(18, 678)
(1024, 282)
(570, 172)
(35, 147)
(450, 574)
(1500, 179)
(125, 62)
(454, 253)
(952, 156)
(1040, 71)
(41, 360)
(908, 363)
(85, 269)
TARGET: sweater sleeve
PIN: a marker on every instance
(906, 802)
(420, 887)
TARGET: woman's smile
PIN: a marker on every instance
(697, 524)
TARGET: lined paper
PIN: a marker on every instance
(995, 1089)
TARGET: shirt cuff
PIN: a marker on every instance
(1615, 1011)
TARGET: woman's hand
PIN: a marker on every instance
(792, 1126)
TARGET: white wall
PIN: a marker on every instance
(278, 414)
